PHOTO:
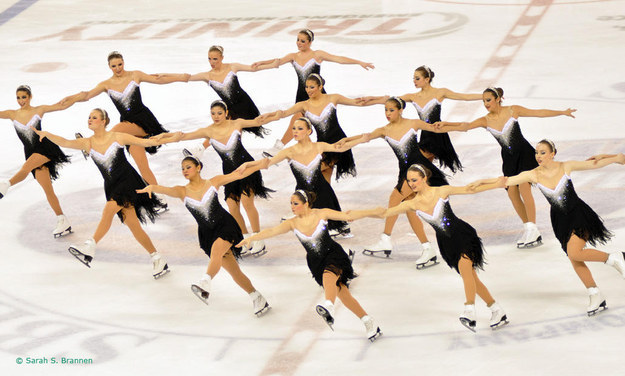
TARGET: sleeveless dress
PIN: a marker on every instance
(329, 130)
(408, 153)
(132, 110)
(240, 105)
(438, 144)
(309, 178)
(121, 181)
(455, 237)
(47, 148)
(233, 155)
(323, 253)
(570, 215)
(517, 154)
(214, 222)
(311, 66)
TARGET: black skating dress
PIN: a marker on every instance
(132, 110)
(323, 253)
(47, 148)
(329, 130)
(240, 105)
(214, 222)
(311, 66)
(233, 155)
(455, 237)
(309, 178)
(121, 181)
(408, 153)
(570, 215)
(438, 144)
(517, 154)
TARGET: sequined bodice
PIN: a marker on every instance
(307, 176)
(324, 121)
(406, 147)
(510, 137)
(228, 88)
(112, 163)
(231, 150)
(25, 133)
(128, 100)
(318, 242)
(431, 112)
(207, 211)
(442, 217)
(311, 66)
(563, 197)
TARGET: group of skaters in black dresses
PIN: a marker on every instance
(422, 190)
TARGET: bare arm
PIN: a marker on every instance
(8, 114)
(127, 139)
(446, 93)
(161, 78)
(272, 63)
(447, 126)
(202, 76)
(343, 59)
(523, 177)
(235, 175)
(591, 165)
(404, 207)
(526, 112)
(80, 144)
(340, 99)
(369, 100)
(345, 145)
(177, 191)
(475, 187)
(282, 228)
(597, 158)
(85, 95)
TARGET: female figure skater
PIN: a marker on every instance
(43, 158)
(320, 109)
(401, 135)
(517, 154)
(574, 223)
(135, 118)
(327, 261)
(305, 61)
(223, 79)
(218, 232)
(305, 161)
(458, 242)
(225, 136)
(428, 101)
(121, 181)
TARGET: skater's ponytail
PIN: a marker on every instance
(196, 162)
(496, 91)
(426, 72)
(401, 104)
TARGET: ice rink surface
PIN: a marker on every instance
(545, 54)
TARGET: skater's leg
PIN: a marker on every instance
(34, 161)
(232, 267)
(43, 178)
(329, 285)
(326, 171)
(218, 250)
(415, 222)
(131, 220)
(465, 266)
(576, 251)
(515, 197)
(482, 291)
(234, 207)
(137, 152)
(394, 199)
(251, 211)
(529, 205)
(110, 209)
(350, 302)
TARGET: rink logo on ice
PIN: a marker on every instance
(372, 28)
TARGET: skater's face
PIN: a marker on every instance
(544, 154)
(218, 114)
(190, 169)
(313, 88)
(303, 42)
(215, 58)
(23, 98)
(419, 80)
(96, 120)
(298, 207)
(416, 181)
(490, 102)
(117, 66)
(300, 130)
(391, 111)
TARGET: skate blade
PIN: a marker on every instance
(63, 233)
(602, 307)
(386, 252)
(377, 335)
(80, 256)
(259, 253)
(468, 324)
(262, 312)
(326, 316)
(162, 273)
(84, 153)
(162, 210)
(343, 235)
(503, 322)
(203, 295)
(431, 262)
(534, 244)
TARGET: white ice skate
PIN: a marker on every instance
(372, 328)
(260, 304)
(159, 266)
(85, 252)
(468, 317)
(326, 311)
(521, 240)
(498, 317)
(617, 261)
(85, 154)
(162, 209)
(597, 301)
(275, 149)
(4, 187)
(202, 288)
(62, 227)
(245, 251)
(194, 151)
(258, 247)
(428, 257)
(346, 233)
(532, 236)
(384, 246)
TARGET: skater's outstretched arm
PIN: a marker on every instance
(160, 78)
(85, 95)
(523, 177)
(351, 215)
(7, 114)
(165, 138)
(404, 207)
(80, 143)
(598, 157)
(591, 165)
(475, 187)
(177, 191)
(446, 93)
(127, 139)
(527, 112)
(342, 59)
(235, 175)
(448, 126)
(282, 228)
(202, 76)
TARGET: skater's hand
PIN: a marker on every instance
(41, 134)
(367, 66)
(439, 124)
(339, 144)
(244, 243)
(147, 190)
(621, 158)
(241, 169)
(569, 112)
(599, 157)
